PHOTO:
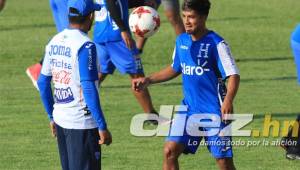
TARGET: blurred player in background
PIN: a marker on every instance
(59, 11)
(2, 4)
(205, 62)
(75, 114)
(60, 14)
(293, 151)
(116, 48)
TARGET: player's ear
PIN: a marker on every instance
(91, 16)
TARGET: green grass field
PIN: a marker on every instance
(258, 33)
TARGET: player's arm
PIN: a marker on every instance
(166, 74)
(88, 77)
(232, 88)
(116, 16)
(228, 70)
(44, 86)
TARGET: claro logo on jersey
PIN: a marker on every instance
(194, 70)
(62, 95)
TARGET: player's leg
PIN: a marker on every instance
(172, 151)
(221, 149)
(62, 147)
(61, 16)
(2, 4)
(143, 97)
(83, 149)
(172, 12)
(178, 142)
(225, 163)
(105, 64)
(128, 62)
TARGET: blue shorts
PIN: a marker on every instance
(79, 148)
(60, 13)
(218, 146)
(112, 55)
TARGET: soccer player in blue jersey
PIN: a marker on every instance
(116, 48)
(205, 62)
(75, 115)
(293, 152)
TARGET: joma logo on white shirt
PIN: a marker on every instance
(193, 70)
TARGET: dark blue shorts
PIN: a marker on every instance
(79, 149)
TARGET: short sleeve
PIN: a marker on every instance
(46, 67)
(225, 60)
(87, 60)
(176, 61)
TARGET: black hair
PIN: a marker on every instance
(76, 18)
(202, 7)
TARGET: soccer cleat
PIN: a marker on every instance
(33, 73)
(293, 152)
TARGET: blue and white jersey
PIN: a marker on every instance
(105, 29)
(204, 65)
(62, 64)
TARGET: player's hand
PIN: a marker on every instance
(127, 39)
(139, 84)
(105, 137)
(227, 108)
(52, 128)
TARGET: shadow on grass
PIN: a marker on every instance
(256, 59)
(129, 87)
(25, 27)
(284, 78)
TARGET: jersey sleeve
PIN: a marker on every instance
(87, 61)
(225, 60)
(176, 60)
(46, 67)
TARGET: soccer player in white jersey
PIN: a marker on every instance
(74, 111)
(204, 60)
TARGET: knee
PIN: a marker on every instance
(170, 153)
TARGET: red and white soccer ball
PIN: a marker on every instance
(144, 21)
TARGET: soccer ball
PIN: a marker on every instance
(144, 21)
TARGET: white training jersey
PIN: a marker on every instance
(61, 62)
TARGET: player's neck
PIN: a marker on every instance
(79, 27)
(199, 34)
